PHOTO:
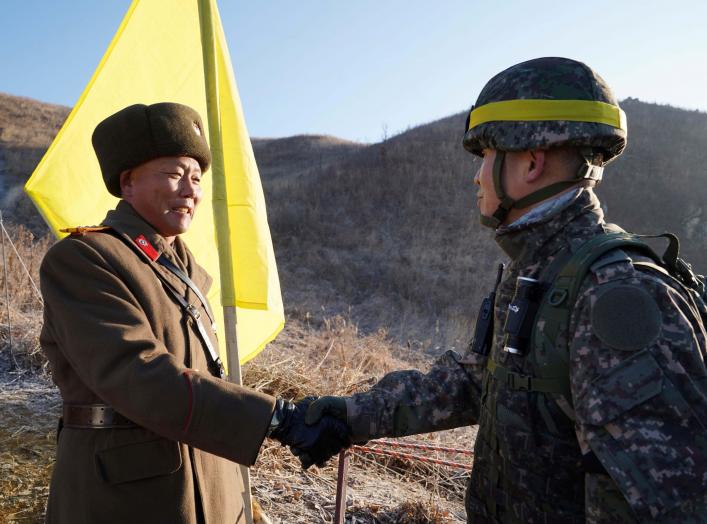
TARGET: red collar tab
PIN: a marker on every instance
(146, 247)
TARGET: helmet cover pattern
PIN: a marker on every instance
(546, 79)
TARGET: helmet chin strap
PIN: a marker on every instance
(590, 172)
(506, 202)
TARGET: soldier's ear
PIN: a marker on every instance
(126, 184)
(536, 167)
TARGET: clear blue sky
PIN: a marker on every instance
(354, 68)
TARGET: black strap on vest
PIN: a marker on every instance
(519, 382)
(566, 275)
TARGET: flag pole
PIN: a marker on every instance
(219, 186)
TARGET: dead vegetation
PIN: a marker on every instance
(333, 359)
(310, 357)
(29, 410)
(27, 127)
(296, 156)
(390, 230)
(20, 302)
(29, 122)
(387, 233)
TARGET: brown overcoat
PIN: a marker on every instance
(114, 336)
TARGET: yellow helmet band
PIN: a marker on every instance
(537, 110)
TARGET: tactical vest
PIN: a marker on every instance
(528, 465)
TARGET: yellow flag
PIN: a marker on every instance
(158, 55)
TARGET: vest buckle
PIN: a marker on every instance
(518, 382)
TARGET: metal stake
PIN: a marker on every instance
(340, 511)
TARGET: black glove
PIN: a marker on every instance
(322, 406)
(312, 444)
(331, 406)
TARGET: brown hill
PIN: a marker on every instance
(391, 232)
(27, 127)
(298, 155)
(388, 233)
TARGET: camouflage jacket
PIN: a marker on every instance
(630, 449)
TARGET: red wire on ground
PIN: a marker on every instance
(426, 447)
(410, 456)
(376, 450)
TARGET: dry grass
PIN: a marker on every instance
(298, 156)
(21, 315)
(335, 358)
(29, 403)
(388, 231)
(331, 358)
(309, 358)
(29, 410)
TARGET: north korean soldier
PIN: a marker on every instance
(587, 372)
(150, 431)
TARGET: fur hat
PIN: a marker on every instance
(140, 133)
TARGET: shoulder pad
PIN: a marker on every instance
(82, 230)
(625, 317)
(615, 256)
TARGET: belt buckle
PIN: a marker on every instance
(100, 416)
(519, 382)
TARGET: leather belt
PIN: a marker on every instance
(94, 416)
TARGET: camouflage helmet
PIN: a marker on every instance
(545, 103)
(541, 104)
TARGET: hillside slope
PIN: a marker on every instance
(299, 155)
(392, 233)
(388, 233)
(27, 127)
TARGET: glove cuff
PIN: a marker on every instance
(360, 424)
(280, 414)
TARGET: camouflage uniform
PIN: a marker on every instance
(625, 441)
(636, 450)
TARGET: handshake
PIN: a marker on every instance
(314, 428)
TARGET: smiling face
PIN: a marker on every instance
(165, 192)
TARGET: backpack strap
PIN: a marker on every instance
(520, 382)
(550, 338)
(550, 341)
(565, 286)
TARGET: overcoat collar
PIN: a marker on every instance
(125, 221)
(546, 230)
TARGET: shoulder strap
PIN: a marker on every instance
(565, 286)
(565, 273)
(214, 360)
(181, 275)
(550, 337)
(82, 230)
